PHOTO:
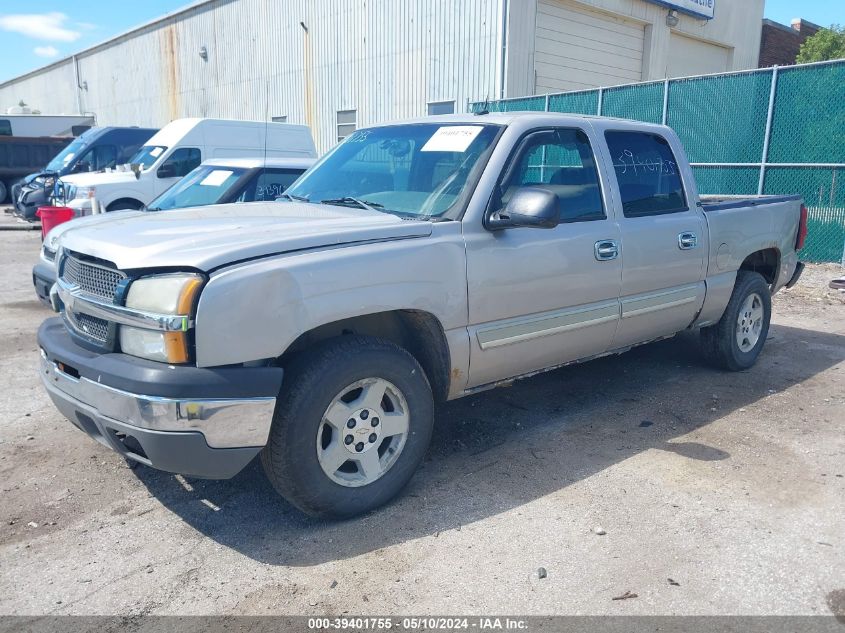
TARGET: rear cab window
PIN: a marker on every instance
(647, 174)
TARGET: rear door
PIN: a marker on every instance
(663, 236)
(543, 297)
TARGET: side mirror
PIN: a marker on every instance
(168, 170)
(82, 166)
(529, 207)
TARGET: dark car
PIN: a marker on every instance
(223, 180)
(96, 149)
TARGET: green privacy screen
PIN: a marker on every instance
(723, 120)
(584, 102)
(643, 102)
(809, 115)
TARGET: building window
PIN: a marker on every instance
(347, 122)
(280, 119)
(5, 127)
(441, 107)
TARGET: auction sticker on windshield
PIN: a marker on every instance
(216, 178)
(452, 138)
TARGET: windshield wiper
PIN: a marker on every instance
(291, 196)
(349, 200)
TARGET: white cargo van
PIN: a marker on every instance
(176, 150)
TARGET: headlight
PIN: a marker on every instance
(82, 192)
(161, 294)
(48, 254)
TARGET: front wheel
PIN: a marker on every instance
(352, 424)
(735, 342)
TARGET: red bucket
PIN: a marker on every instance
(53, 216)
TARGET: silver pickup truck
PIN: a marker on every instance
(415, 263)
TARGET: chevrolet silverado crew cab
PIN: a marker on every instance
(414, 263)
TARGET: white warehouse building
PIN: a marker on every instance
(339, 64)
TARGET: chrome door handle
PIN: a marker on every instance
(606, 250)
(687, 240)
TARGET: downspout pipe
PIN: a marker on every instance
(503, 63)
(75, 61)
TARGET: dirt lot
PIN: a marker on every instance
(730, 485)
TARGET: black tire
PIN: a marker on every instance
(310, 385)
(719, 342)
(124, 204)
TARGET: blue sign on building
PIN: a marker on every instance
(699, 8)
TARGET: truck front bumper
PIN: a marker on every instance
(43, 278)
(200, 422)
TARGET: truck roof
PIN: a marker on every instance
(508, 118)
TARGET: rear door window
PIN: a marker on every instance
(647, 173)
(269, 184)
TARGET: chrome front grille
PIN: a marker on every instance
(92, 327)
(94, 279)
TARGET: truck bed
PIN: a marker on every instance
(720, 202)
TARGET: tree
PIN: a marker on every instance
(824, 45)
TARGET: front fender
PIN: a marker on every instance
(255, 310)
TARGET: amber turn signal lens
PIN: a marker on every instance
(176, 346)
(187, 296)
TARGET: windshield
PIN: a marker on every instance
(147, 155)
(61, 160)
(416, 170)
(204, 185)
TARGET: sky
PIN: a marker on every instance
(33, 34)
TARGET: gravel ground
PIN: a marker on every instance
(699, 491)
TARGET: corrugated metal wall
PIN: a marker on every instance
(384, 58)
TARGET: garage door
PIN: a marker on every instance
(688, 56)
(578, 48)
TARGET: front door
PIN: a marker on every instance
(543, 297)
(178, 165)
(665, 238)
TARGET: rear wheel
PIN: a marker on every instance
(735, 342)
(352, 424)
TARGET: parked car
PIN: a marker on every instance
(223, 180)
(175, 151)
(415, 262)
(96, 150)
(216, 181)
(20, 156)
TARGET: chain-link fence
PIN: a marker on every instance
(770, 131)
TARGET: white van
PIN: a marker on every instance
(176, 150)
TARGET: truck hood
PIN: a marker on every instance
(206, 238)
(99, 179)
(52, 238)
